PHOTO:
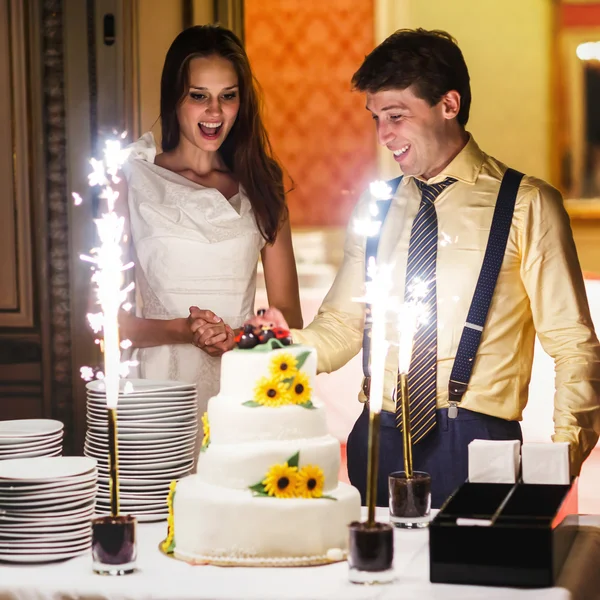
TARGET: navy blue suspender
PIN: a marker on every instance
(484, 290)
(482, 297)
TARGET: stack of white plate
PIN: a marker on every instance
(157, 429)
(46, 507)
(28, 438)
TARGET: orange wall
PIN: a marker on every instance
(303, 53)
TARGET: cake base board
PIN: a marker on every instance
(299, 561)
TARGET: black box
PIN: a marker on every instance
(503, 534)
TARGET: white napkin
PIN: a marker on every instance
(494, 461)
(546, 463)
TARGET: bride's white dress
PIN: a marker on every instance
(193, 247)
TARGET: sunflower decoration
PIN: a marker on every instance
(271, 392)
(206, 429)
(310, 482)
(168, 545)
(300, 390)
(286, 481)
(281, 481)
(283, 366)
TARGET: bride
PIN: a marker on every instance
(201, 212)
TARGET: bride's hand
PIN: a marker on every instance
(209, 332)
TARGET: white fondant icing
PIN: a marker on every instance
(232, 423)
(240, 466)
(242, 369)
(213, 521)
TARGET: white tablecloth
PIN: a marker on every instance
(161, 578)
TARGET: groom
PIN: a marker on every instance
(455, 205)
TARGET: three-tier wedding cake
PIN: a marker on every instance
(266, 489)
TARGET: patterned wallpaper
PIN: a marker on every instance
(303, 53)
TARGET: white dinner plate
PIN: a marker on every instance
(137, 445)
(151, 434)
(50, 548)
(68, 517)
(28, 428)
(171, 417)
(72, 483)
(46, 544)
(45, 469)
(91, 446)
(42, 454)
(141, 386)
(155, 409)
(4, 451)
(134, 486)
(166, 459)
(42, 558)
(28, 501)
(34, 443)
(34, 530)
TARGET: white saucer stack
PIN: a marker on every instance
(29, 438)
(46, 507)
(157, 429)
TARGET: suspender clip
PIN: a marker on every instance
(456, 390)
(366, 387)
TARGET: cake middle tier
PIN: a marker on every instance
(241, 466)
(232, 422)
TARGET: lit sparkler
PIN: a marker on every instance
(108, 277)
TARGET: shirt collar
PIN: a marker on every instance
(465, 166)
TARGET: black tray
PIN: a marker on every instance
(503, 534)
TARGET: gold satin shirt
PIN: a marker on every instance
(540, 289)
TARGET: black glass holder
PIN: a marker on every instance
(410, 499)
(114, 545)
(371, 553)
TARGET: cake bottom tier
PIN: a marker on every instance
(223, 523)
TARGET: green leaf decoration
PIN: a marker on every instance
(272, 344)
(307, 404)
(171, 547)
(293, 460)
(288, 381)
(329, 498)
(259, 488)
(251, 403)
(301, 358)
(205, 447)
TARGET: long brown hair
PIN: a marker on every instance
(247, 150)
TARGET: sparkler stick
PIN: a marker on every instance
(378, 286)
(108, 276)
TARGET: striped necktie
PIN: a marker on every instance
(421, 267)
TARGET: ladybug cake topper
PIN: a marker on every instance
(250, 337)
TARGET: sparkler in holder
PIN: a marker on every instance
(378, 285)
(108, 277)
(371, 544)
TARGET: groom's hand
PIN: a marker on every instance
(271, 317)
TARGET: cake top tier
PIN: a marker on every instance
(270, 374)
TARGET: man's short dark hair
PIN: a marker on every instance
(431, 61)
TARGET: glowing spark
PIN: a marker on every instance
(445, 239)
(128, 389)
(108, 270)
(87, 373)
(126, 344)
(77, 199)
(380, 190)
(127, 306)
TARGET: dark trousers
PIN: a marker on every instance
(443, 453)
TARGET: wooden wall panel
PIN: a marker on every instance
(303, 53)
(16, 269)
